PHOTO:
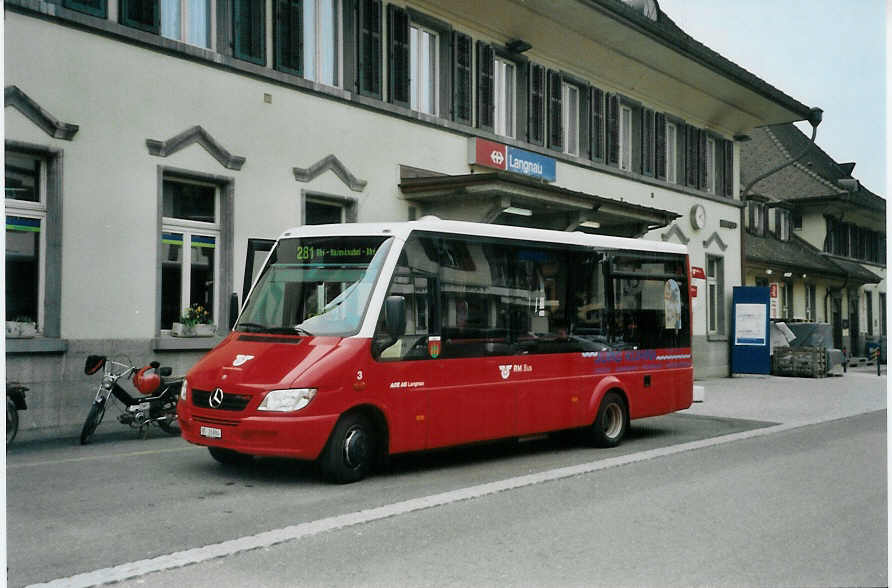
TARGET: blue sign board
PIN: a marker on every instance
(531, 164)
(750, 330)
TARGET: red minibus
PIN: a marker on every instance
(358, 341)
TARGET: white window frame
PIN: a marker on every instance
(417, 67)
(710, 165)
(570, 117)
(671, 152)
(625, 138)
(34, 210)
(810, 310)
(505, 97)
(312, 49)
(784, 226)
(189, 229)
(185, 17)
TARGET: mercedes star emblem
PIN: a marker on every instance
(216, 398)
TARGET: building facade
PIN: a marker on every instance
(154, 148)
(816, 237)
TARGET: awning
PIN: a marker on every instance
(856, 272)
(509, 199)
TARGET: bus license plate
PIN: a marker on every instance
(211, 432)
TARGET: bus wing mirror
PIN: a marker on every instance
(233, 309)
(395, 316)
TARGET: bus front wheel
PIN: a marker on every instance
(350, 451)
(612, 422)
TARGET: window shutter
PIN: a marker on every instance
(692, 165)
(249, 39)
(485, 86)
(555, 111)
(289, 36)
(701, 154)
(647, 143)
(369, 42)
(398, 55)
(461, 78)
(536, 128)
(597, 124)
(660, 145)
(613, 129)
(141, 14)
(728, 159)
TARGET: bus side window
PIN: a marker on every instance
(414, 280)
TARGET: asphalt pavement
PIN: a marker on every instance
(745, 408)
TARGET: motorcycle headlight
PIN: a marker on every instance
(184, 389)
(287, 400)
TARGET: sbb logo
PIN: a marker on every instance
(497, 157)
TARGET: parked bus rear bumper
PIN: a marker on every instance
(280, 436)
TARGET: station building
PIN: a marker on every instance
(154, 148)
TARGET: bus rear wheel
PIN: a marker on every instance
(612, 422)
(351, 450)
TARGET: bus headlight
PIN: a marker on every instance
(184, 389)
(287, 400)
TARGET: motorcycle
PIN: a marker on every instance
(15, 401)
(156, 406)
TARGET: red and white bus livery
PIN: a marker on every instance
(363, 340)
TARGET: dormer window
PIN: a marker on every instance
(756, 217)
(783, 221)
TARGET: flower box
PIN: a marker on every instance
(183, 330)
(20, 330)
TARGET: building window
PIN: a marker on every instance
(715, 288)
(319, 212)
(423, 68)
(782, 224)
(625, 138)
(671, 152)
(93, 7)
(756, 216)
(811, 312)
(187, 20)
(882, 314)
(249, 31)
(190, 235)
(709, 166)
(505, 91)
(787, 300)
(320, 41)
(570, 118)
(26, 218)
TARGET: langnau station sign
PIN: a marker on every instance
(511, 159)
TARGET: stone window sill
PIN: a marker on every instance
(36, 345)
(185, 343)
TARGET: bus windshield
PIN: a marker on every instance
(315, 286)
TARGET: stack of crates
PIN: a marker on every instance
(806, 362)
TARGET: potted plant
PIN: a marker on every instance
(21, 327)
(195, 322)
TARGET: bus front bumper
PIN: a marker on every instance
(281, 436)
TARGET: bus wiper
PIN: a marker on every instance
(252, 326)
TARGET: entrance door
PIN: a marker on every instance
(836, 320)
(854, 327)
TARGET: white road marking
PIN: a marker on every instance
(291, 533)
